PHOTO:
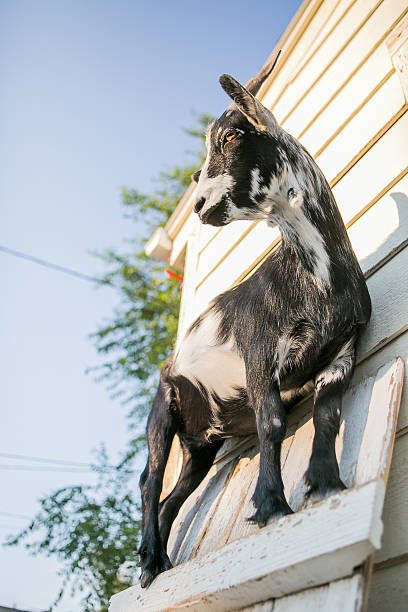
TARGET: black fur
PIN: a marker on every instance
(287, 324)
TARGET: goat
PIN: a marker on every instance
(267, 342)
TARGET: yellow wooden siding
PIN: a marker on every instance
(338, 91)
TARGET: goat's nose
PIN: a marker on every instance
(199, 204)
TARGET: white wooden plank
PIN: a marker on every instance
(257, 241)
(397, 44)
(241, 527)
(224, 518)
(368, 367)
(342, 36)
(207, 233)
(198, 517)
(378, 438)
(267, 606)
(389, 589)
(188, 294)
(383, 227)
(313, 547)
(388, 157)
(338, 596)
(395, 515)
(358, 132)
(221, 244)
(389, 294)
(332, 78)
(300, 46)
(345, 101)
(180, 240)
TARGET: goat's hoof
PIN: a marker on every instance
(152, 566)
(320, 488)
(272, 508)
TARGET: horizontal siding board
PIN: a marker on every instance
(389, 293)
(389, 589)
(298, 48)
(338, 596)
(380, 164)
(395, 516)
(346, 28)
(222, 242)
(344, 101)
(382, 227)
(369, 366)
(332, 78)
(362, 128)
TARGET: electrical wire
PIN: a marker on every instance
(44, 460)
(56, 267)
(46, 468)
(14, 515)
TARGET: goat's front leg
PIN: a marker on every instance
(160, 433)
(269, 498)
(322, 476)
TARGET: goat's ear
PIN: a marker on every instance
(195, 176)
(253, 110)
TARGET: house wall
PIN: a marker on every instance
(341, 89)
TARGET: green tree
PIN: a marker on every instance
(94, 530)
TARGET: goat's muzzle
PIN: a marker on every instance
(216, 215)
(199, 205)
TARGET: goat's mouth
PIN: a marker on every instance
(217, 215)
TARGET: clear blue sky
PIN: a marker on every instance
(94, 96)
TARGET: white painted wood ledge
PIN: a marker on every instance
(316, 546)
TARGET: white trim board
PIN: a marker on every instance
(315, 546)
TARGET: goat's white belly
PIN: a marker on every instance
(217, 367)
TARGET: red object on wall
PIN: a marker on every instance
(172, 274)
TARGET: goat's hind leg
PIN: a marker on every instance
(198, 457)
(161, 428)
(322, 476)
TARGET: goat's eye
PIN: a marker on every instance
(229, 136)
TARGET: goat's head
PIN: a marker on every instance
(241, 159)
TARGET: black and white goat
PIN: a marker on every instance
(261, 346)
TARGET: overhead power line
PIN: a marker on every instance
(14, 515)
(56, 267)
(53, 465)
(49, 468)
(44, 460)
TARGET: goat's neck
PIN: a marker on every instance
(310, 224)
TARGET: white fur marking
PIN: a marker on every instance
(339, 367)
(202, 359)
(255, 184)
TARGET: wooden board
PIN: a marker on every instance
(389, 589)
(314, 546)
(357, 133)
(341, 38)
(337, 596)
(333, 76)
(344, 101)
